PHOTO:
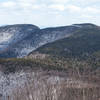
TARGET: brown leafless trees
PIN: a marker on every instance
(41, 86)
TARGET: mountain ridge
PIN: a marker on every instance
(83, 42)
(20, 39)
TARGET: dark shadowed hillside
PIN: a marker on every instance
(84, 42)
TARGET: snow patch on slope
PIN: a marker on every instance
(5, 37)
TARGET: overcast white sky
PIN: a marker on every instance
(46, 13)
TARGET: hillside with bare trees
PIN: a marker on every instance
(48, 79)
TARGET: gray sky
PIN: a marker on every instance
(46, 13)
